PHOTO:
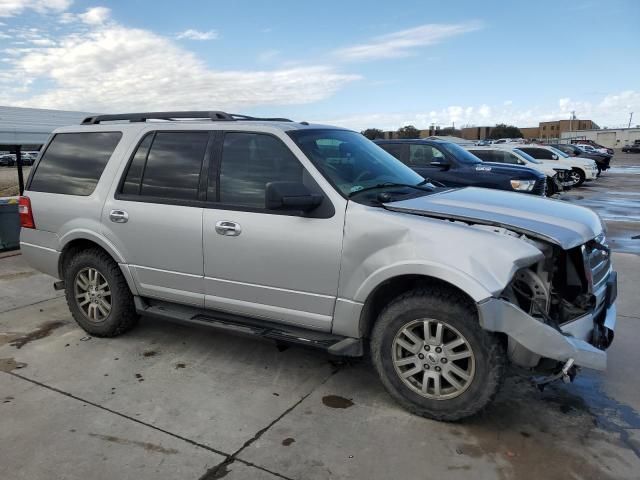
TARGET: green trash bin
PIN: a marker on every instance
(9, 224)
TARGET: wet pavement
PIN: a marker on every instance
(616, 198)
(172, 401)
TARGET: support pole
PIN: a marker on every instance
(18, 151)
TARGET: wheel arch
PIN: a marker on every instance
(392, 287)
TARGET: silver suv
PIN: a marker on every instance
(315, 235)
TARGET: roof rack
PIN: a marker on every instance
(214, 116)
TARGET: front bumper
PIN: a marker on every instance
(531, 340)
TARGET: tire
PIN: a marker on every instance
(451, 310)
(551, 187)
(577, 176)
(121, 315)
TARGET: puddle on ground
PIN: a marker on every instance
(42, 331)
(288, 441)
(567, 431)
(335, 401)
(9, 364)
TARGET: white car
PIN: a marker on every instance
(591, 149)
(582, 169)
(558, 176)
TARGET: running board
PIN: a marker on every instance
(334, 344)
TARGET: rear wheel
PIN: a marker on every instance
(98, 295)
(551, 187)
(577, 177)
(434, 358)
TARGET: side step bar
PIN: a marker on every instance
(334, 344)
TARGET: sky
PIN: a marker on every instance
(350, 63)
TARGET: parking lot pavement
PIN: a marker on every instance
(616, 198)
(173, 401)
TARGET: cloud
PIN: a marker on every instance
(112, 68)
(611, 111)
(92, 16)
(404, 42)
(191, 34)
(9, 8)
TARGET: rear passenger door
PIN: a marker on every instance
(279, 266)
(155, 217)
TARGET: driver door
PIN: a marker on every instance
(276, 265)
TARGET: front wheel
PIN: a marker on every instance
(434, 358)
(577, 177)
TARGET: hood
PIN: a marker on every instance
(555, 221)
(516, 171)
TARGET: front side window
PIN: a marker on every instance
(485, 155)
(249, 162)
(350, 161)
(423, 155)
(539, 153)
(74, 162)
(459, 153)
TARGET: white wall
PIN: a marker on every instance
(612, 137)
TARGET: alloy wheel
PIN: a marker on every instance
(92, 294)
(433, 359)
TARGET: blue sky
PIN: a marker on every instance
(358, 64)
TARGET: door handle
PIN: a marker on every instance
(228, 229)
(119, 216)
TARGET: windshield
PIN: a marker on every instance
(559, 152)
(526, 156)
(351, 162)
(460, 154)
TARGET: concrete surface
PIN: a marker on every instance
(171, 401)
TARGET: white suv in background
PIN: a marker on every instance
(591, 149)
(582, 169)
(558, 176)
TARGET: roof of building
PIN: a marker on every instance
(32, 126)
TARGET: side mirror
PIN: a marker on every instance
(442, 163)
(291, 196)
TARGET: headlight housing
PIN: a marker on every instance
(523, 185)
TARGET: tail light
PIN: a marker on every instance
(25, 212)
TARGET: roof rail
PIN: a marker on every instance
(214, 116)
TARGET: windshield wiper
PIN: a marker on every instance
(392, 184)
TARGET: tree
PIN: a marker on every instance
(408, 131)
(502, 130)
(373, 133)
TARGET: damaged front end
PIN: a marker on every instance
(559, 311)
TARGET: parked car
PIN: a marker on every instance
(7, 160)
(632, 148)
(558, 177)
(603, 160)
(582, 169)
(315, 235)
(595, 145)
(451, 165)
(483, 143)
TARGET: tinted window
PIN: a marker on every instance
(540, 153)
(131, 184)
(73, 162)
(395, 149)
(485, 155)
(173, 165)
(459, 153)
(249, 162)
(423, 155)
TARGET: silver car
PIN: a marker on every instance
(315, 235)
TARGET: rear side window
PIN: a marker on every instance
(73, 162)
(540, 153)
(249, 162)
(167, 165)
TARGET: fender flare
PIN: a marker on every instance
(82, 234)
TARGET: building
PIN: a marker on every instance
(544, 130)
(556, 128)
(608, 137)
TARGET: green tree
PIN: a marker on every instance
(502, 130)
(373, 133)
(408, 131)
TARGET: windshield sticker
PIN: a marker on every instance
(356, 188)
